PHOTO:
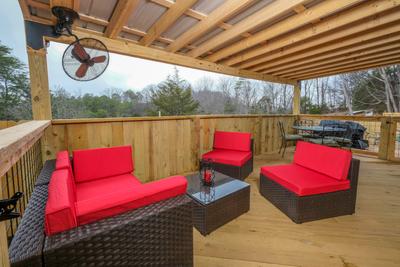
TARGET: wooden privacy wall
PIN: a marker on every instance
(162, 146)
(6, 124)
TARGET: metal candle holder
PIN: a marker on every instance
(206, 172)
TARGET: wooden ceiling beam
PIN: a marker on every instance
(221, 13)
(166, 20)
(122, 11)
(333, 24)
(381, 55)
(268, 13)
(337, 53)
(354, 68)
(23, 4)
(135, 50)
(331, 46)
(309, 16)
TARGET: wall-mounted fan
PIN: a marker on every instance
(86, 58)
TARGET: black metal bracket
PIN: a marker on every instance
(7, 207)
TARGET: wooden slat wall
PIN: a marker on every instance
(161, 147)
(6, 124)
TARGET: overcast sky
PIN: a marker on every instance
(123, 72)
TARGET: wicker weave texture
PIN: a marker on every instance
(26, 246)
(207, 218)
(156, 235)
(45, 173)
(314, 207)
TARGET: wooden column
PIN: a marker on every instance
(4, 261)
(296, 98)
(40, 93)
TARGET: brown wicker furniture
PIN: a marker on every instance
(219, 204)
(159, 234)
(312, 206)
(232, 154)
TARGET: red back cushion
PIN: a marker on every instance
(63, 162)
(333, 162)
(232, 141)
(60, 214)
(92, 164)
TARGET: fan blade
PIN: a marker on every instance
(99, 59)
(80, 52)
(81, 71)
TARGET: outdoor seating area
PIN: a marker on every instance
(200, 189)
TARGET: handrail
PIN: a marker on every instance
(16, 140)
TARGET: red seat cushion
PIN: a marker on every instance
(229, 157)
(91, 164)
(333, 162)
(303, 181)
(125, 199)
(232, 141)
(104, 186)
(60, 212)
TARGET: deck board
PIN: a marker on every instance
(264, 235)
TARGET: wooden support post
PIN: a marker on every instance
(384, 138)
(296, 98)
(40, 93)
(4, 260)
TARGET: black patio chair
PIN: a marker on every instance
(286, 138)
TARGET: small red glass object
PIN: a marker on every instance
(207, 176)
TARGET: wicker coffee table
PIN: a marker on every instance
(217, 205)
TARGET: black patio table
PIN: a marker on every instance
(320, 131)
(214, 206)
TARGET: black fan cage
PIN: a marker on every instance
(94, 48)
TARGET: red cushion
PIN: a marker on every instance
(232, 141)
(63, 162)
(229, 157)
(91, 164)
(116, 202)
(330, 161)
(303, 181)
(60, 212)
(95, 188)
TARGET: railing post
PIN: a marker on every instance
(385, 138)
(195, 141)
(4, 260)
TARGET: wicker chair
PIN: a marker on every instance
(219, 162)
(310, 206)
(159, 234)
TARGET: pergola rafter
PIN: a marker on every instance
(278, 41)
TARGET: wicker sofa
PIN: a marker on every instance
(232, 154)
(320, 183)
(94, 212)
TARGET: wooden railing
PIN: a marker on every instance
(162, 146)
(20, 164)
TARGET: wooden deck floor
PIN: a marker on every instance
(266, 237)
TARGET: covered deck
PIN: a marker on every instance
(276, 41)
(266, 237)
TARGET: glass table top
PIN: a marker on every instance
(223, 186)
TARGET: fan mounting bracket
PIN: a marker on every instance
(65, 18)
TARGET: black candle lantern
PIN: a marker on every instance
(206, 172)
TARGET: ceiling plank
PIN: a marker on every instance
(166, 20)
(216, 17)
(135, 50)
(268, 13)
(370, 8)
(122, 11)
(25, 9)
(358, 50)
(321, 10)
(332, 50)
(353, 68)
(365, 59)
(332, 45)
